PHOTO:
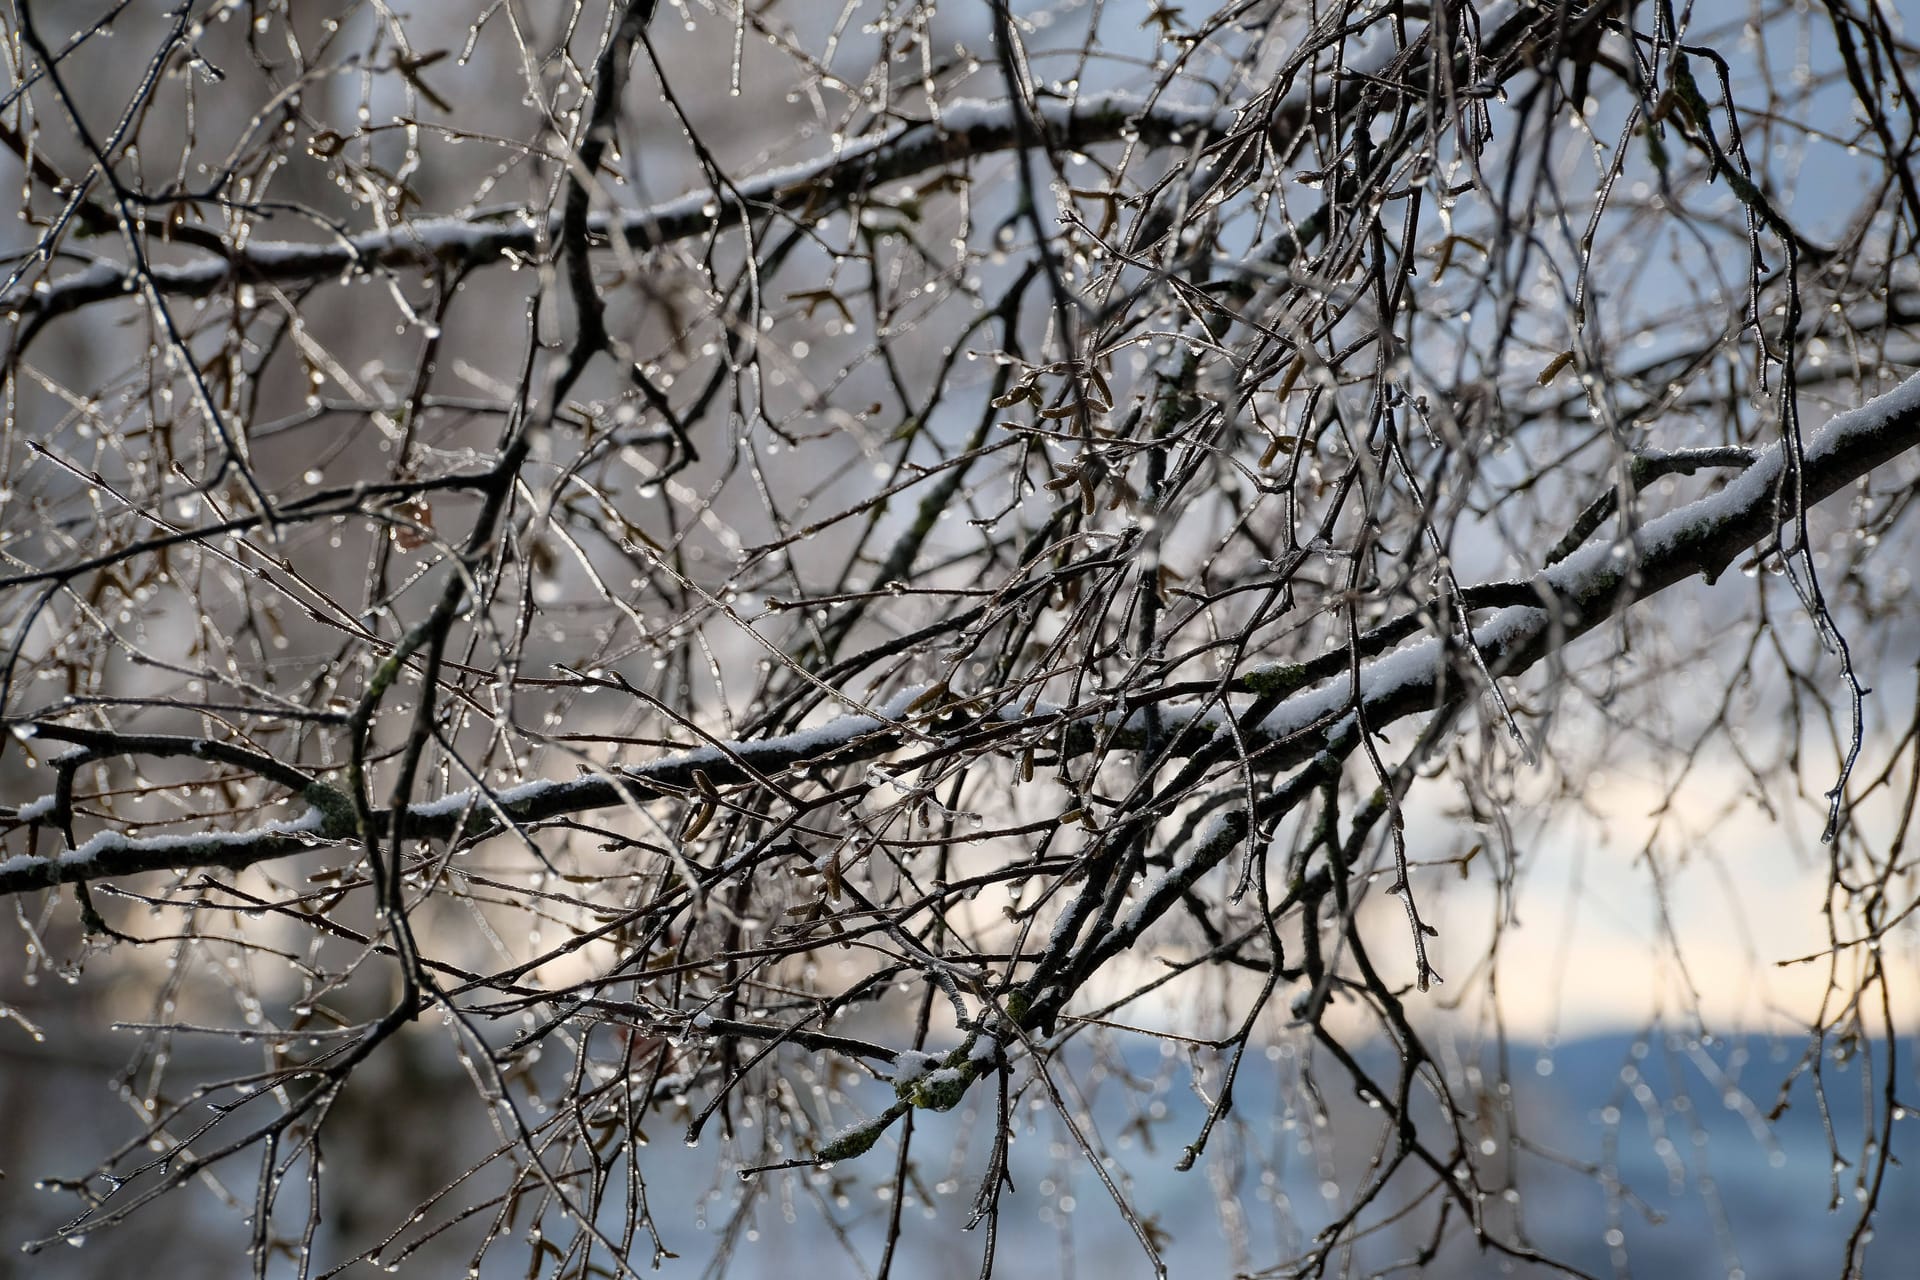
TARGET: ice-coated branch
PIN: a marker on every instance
(965, 129)
(1575, 595)
(470, 813)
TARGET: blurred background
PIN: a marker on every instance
(1664, 940)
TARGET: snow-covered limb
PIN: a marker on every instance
(110, 853)
(35, 810)
(1604, 577)
(966, 128)
(1575, 596)
(849, 738)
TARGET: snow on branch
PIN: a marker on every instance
(1605, 577)
(965, 129)
(471, 813)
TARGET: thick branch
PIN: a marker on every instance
(967, 129)
(1576, 595)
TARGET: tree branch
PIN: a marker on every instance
(967, 129)
(1576, 595)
